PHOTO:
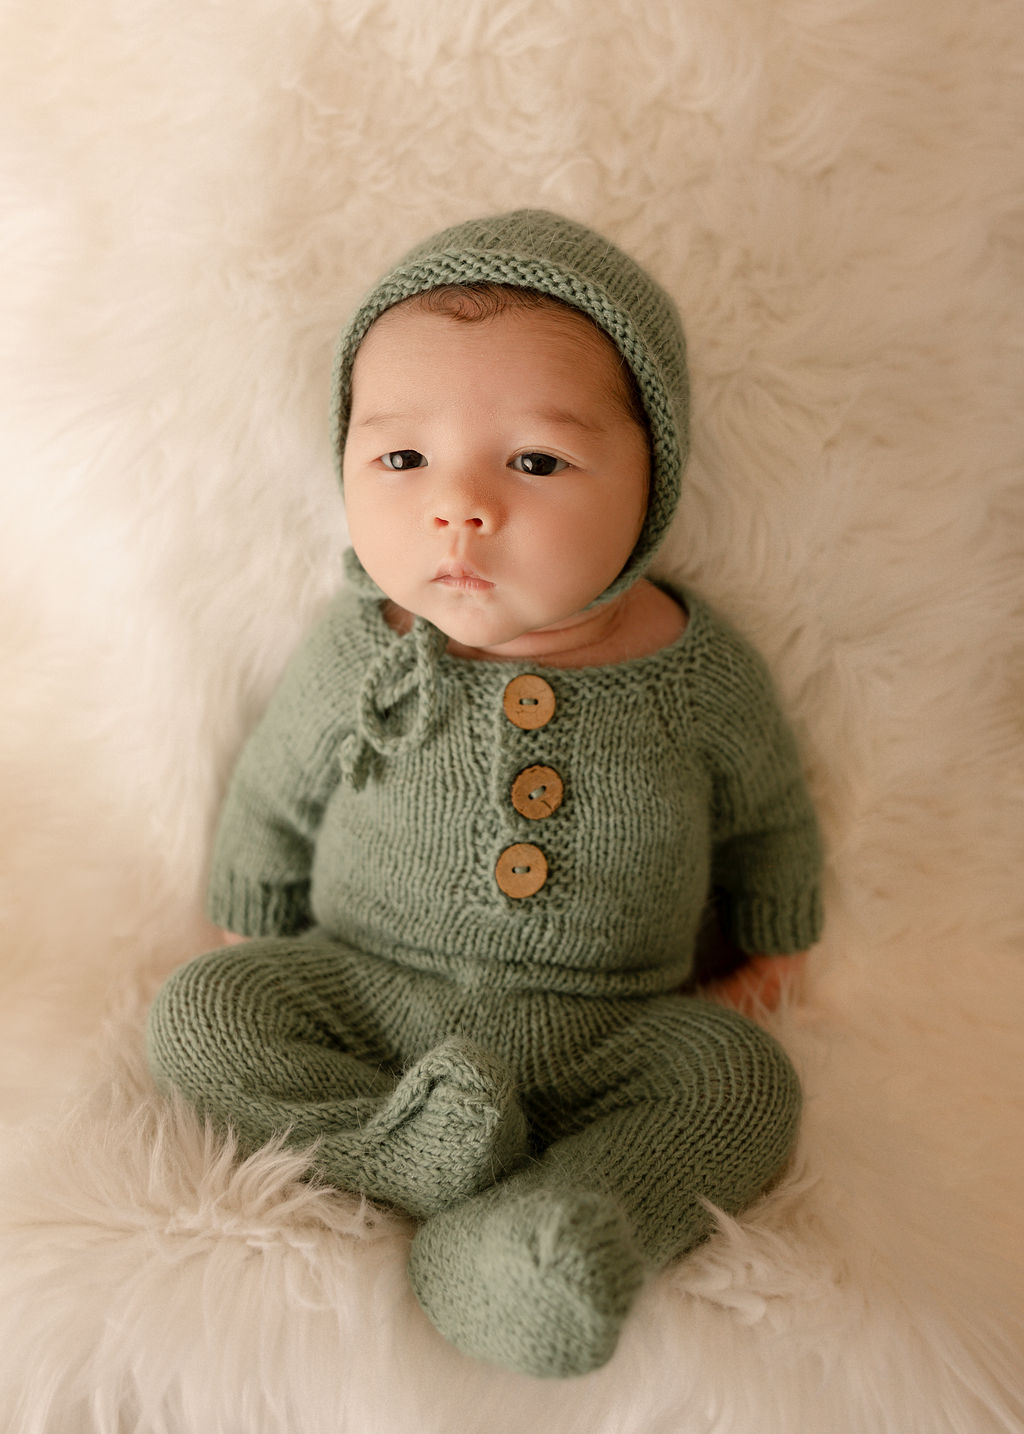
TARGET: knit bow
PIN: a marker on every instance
(397, 702)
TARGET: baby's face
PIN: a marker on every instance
(495, 480)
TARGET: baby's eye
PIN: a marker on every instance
(540, 464)
(403, 458)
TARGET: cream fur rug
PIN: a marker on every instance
(195, 193)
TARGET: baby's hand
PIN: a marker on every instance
(761, 983)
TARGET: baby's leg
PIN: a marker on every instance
(295, 1038)
(689, 1102)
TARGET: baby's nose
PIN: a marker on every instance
(451, 522)
(465, 504)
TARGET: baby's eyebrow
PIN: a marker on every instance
(565, 418)
(382, 418)
(558, 417)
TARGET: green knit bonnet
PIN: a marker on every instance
(534, 249)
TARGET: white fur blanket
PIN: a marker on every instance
(195, 193)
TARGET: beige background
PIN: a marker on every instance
(195, 194)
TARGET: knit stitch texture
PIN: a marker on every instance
(555, 1147)
(356, 809)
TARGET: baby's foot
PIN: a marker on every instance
(451, 1127)
(541, 1282)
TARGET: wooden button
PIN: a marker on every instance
(521, 870)
(537, 792)
(529, 702)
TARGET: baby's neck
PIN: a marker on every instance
(642, 621)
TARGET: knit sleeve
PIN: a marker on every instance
(263, 852)
(767, 853)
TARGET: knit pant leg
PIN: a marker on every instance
(260, 1038)
(307, 1040)
(689, 1102)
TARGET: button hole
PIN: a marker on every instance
(521, 870)
(527, 701)
(535, 796)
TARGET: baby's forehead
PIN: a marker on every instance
(487, 310)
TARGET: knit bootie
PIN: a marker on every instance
(451, 1127)
(539, 1281)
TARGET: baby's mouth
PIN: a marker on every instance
(458, 575)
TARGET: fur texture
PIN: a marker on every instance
(197, 194)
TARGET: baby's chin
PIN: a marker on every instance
(522, 636)
(501, 639)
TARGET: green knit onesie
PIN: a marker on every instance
(476, 888)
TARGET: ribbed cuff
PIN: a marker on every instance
(258, 908)
(773, 926)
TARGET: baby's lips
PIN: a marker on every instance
(460, 573)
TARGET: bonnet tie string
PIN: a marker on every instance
(397, 701)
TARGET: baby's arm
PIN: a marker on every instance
(767, 855)
(259, 881)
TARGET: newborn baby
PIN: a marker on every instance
(475, 831)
